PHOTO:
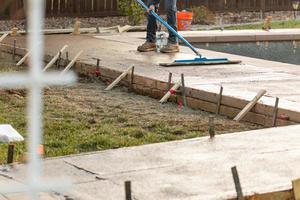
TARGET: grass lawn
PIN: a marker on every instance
(85, 118)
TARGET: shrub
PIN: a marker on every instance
(131, 9)
(202, 15)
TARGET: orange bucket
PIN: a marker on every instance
(184, 20)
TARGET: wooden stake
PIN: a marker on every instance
(275, 112)
(124, 28)
(183, 90)
(128, 195)
(23, 59)
(237, 183)
(68, 67)
(168, 94)
(296, 189)
(219, 100)
(54, 59)
(211, 128)
(3, 37)
(10, 153)
(249, 106)
(123, 75)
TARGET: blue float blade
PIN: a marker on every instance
(202, 59)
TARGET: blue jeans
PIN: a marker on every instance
(171, 10)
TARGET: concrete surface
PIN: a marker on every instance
(267, 160)
(243, 35)
(241, 80)
(118, 51)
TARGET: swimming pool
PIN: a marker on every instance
(281, 51)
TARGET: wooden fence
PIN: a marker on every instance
(14, 9)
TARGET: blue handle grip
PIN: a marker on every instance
(169, 28)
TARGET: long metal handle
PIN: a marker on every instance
(169, 28)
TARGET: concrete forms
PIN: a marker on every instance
(201, 93)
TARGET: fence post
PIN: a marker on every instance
(263, 8)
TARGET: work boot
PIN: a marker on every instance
(170, 48)
(147, 46)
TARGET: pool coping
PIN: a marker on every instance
(241, 35)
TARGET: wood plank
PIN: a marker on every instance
(232, 112)
(252, 103)
(55, 58)
(3, 37)
(296, 189)
(168, 94)
(68, 67)
(117, 80)
(23, 59)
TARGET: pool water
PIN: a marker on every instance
(282, 51)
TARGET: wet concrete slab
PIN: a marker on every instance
(267, 161)
(118, 51)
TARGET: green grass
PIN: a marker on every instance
(274, 25)
(68, 130)
(85, 118)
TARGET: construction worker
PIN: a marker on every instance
(150, 44)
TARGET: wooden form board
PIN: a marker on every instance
(68, 67)
(117, 80)
(168, 94)
(250, 105)
(197, 98)
(3, 37)
(296, 189)
(55, 58)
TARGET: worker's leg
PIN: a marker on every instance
(150, 45)
(151, 26)
(171, 9)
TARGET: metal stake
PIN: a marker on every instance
(14, 50)
(183, 90)
(58, 61)
(275, 112)
(219, 101)
(10, 153)
(211, 128)
(128, 190)
(67, 56)
(131, 80)
(237, 183)
(169, 81)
